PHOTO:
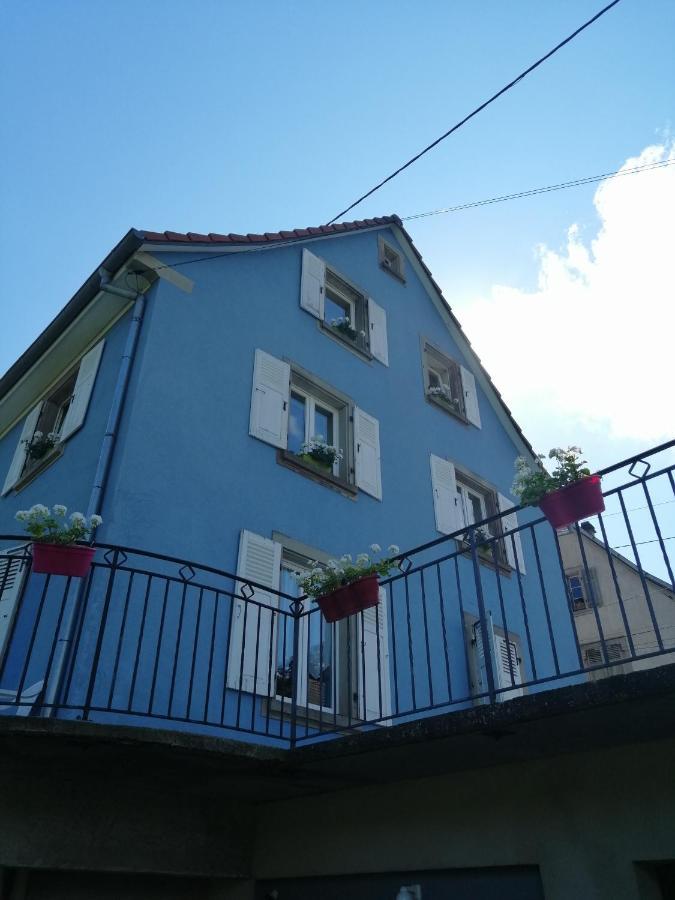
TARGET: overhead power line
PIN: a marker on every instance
(542, 190)
(478, 109)
(272, 245)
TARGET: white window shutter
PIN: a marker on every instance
(367, 453)
(377, 318)
(501, 668)
(260, 561)
(269, 400)
(84, 385)
(508, 524)
(19, 457)
(509, 673)
(447, 506)
(13, 569)
(313, 284)
(374, 678)
(470, 397)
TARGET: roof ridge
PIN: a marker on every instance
(195, 237)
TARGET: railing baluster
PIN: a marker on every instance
(390, 589)
(568, 597)
(544, 596)
(139, 643)
(622, 607)
(212, 648)
(657, 528)
(426, 637)
(159, 646)
(643, 580)
(101, 632)
(523, 606)
(410, 642)
(120, 639)
(482, 619)
(444, 633)
(194, 651)
(594, 605)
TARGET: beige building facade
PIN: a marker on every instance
(633, 612)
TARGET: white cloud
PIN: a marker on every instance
(596, 341)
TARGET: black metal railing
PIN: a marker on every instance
(503, 607)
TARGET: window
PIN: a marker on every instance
(345, 312)
(342, 309)
(505, 656)
(390, 259)
(317, 428)
(582, 590)
(593, 655)
(317, 687)
(462, 499)
(54, 419)
(342, 668)
(449, 385)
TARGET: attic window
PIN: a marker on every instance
(391, 260)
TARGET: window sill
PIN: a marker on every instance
(446, 407)
(307, 715)
(47, 460)
(344, 341)
(485, 559)
(291, 461)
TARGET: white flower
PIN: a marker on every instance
(393, 550)
(37, 435)
(95, 521)
(22, 515)
(362, 559)
(375, 548)
(346, 558)
(59, 510)
(77, 518)
(333, 565)
(39, 510)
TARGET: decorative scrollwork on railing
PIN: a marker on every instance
(639, 475)
(187, 573)
(246, 590)
(115, 557)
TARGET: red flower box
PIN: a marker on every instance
(575, 501)
(350, 599)
(62, 559)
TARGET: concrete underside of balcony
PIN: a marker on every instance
(77, 795)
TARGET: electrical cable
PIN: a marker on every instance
(478, 109)
(542, 190)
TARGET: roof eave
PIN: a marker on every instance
(129, 244)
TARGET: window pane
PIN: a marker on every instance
(336, 308)
(475, 508)
(323, 424)
(320, 662)
(296, 423)
(284, 655)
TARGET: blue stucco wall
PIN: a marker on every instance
(187, 477)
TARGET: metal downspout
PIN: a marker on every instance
(62, 656)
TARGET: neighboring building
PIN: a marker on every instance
(616, 604)
(269, 750)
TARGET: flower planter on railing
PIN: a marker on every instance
(350, 599)
(62, 559)
(55, 551)
(573, 502)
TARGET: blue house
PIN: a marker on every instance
(180, 385)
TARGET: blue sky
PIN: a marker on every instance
(214, 116)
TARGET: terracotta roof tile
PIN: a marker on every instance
(192, 237)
